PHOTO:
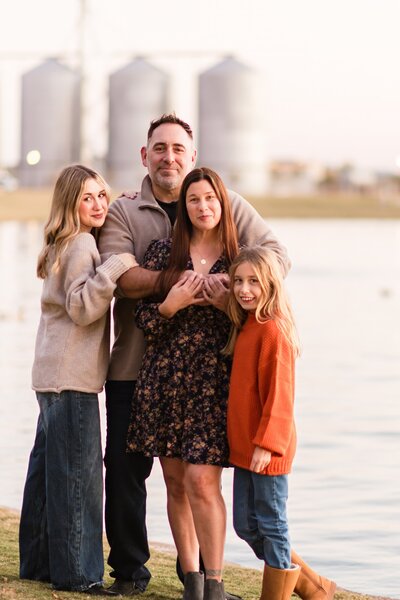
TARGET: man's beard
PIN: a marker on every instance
(168, 183)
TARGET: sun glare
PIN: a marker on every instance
(33, 157)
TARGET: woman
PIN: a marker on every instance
(180, 403)
(179, 407)
(62, 513)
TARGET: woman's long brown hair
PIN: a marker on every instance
(183, 229)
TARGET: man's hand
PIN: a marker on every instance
(216, 290)
(261, 459)
(184, 293)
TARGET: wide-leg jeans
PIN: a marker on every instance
(61, 519)
(259, 515)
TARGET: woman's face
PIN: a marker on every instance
(93, 205)
(203, 206)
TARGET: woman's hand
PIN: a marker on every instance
(261, 459)
(186, 291)
(216, 290)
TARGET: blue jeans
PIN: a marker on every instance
(259, 515)
(60, 535)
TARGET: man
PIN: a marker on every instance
(132, 222)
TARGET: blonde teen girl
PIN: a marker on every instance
(61, 520)
(261, 429)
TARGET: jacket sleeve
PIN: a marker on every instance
(116, 235)
(89, 285)
(147, 315)
(253, 229)
(276, 389)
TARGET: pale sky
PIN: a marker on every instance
(331, 68)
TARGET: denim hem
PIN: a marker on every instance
(80, 588)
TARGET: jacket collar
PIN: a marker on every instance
(147, 192)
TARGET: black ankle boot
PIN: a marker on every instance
(214, 590)
(193, 586)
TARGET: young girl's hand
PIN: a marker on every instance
(261, 459)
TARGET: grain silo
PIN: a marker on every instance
(231, 126)
(50, 122)
(138, 94)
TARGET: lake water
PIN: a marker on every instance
(344, 505)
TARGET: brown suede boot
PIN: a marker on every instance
(278, 584)
(193, 586)
(310, 585)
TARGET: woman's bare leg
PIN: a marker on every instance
(180, 514)
(203, 487)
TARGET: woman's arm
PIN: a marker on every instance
(158, 318)
(89, 286)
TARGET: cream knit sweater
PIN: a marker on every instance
(72, 343)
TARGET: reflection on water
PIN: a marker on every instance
(344, 505)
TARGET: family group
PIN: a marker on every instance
(201, 374)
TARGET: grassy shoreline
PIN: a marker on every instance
(33, 204)
(164, 584)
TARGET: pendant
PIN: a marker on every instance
(203, 261)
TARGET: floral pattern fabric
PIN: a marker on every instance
(180, 402)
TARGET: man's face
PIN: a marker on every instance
(169, 156)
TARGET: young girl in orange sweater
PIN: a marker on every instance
(261, 429)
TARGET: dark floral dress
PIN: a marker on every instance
(180, 402)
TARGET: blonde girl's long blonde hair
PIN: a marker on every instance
(63, 223)
(274, 303)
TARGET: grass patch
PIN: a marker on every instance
(329, 206)
(164, 584)
(34, 204)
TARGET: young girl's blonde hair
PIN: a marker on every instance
(63, 223)
(273, 304)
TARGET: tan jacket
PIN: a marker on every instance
(131, 224)
(72, 343)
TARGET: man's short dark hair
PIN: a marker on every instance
(169, 118)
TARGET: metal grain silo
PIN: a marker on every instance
(50, 122)
(138, 94)
(231, 126)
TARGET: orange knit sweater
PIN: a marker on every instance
(261, 396)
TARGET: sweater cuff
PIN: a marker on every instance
(117, 265)
(274, 435)
(129, 260)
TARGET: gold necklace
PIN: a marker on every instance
(203, 260)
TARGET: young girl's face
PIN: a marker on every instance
(246, 287)
(93, 206)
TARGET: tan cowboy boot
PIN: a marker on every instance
(278, 584)
(310, 585)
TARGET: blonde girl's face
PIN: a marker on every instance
(93, 205)
(246, 287)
